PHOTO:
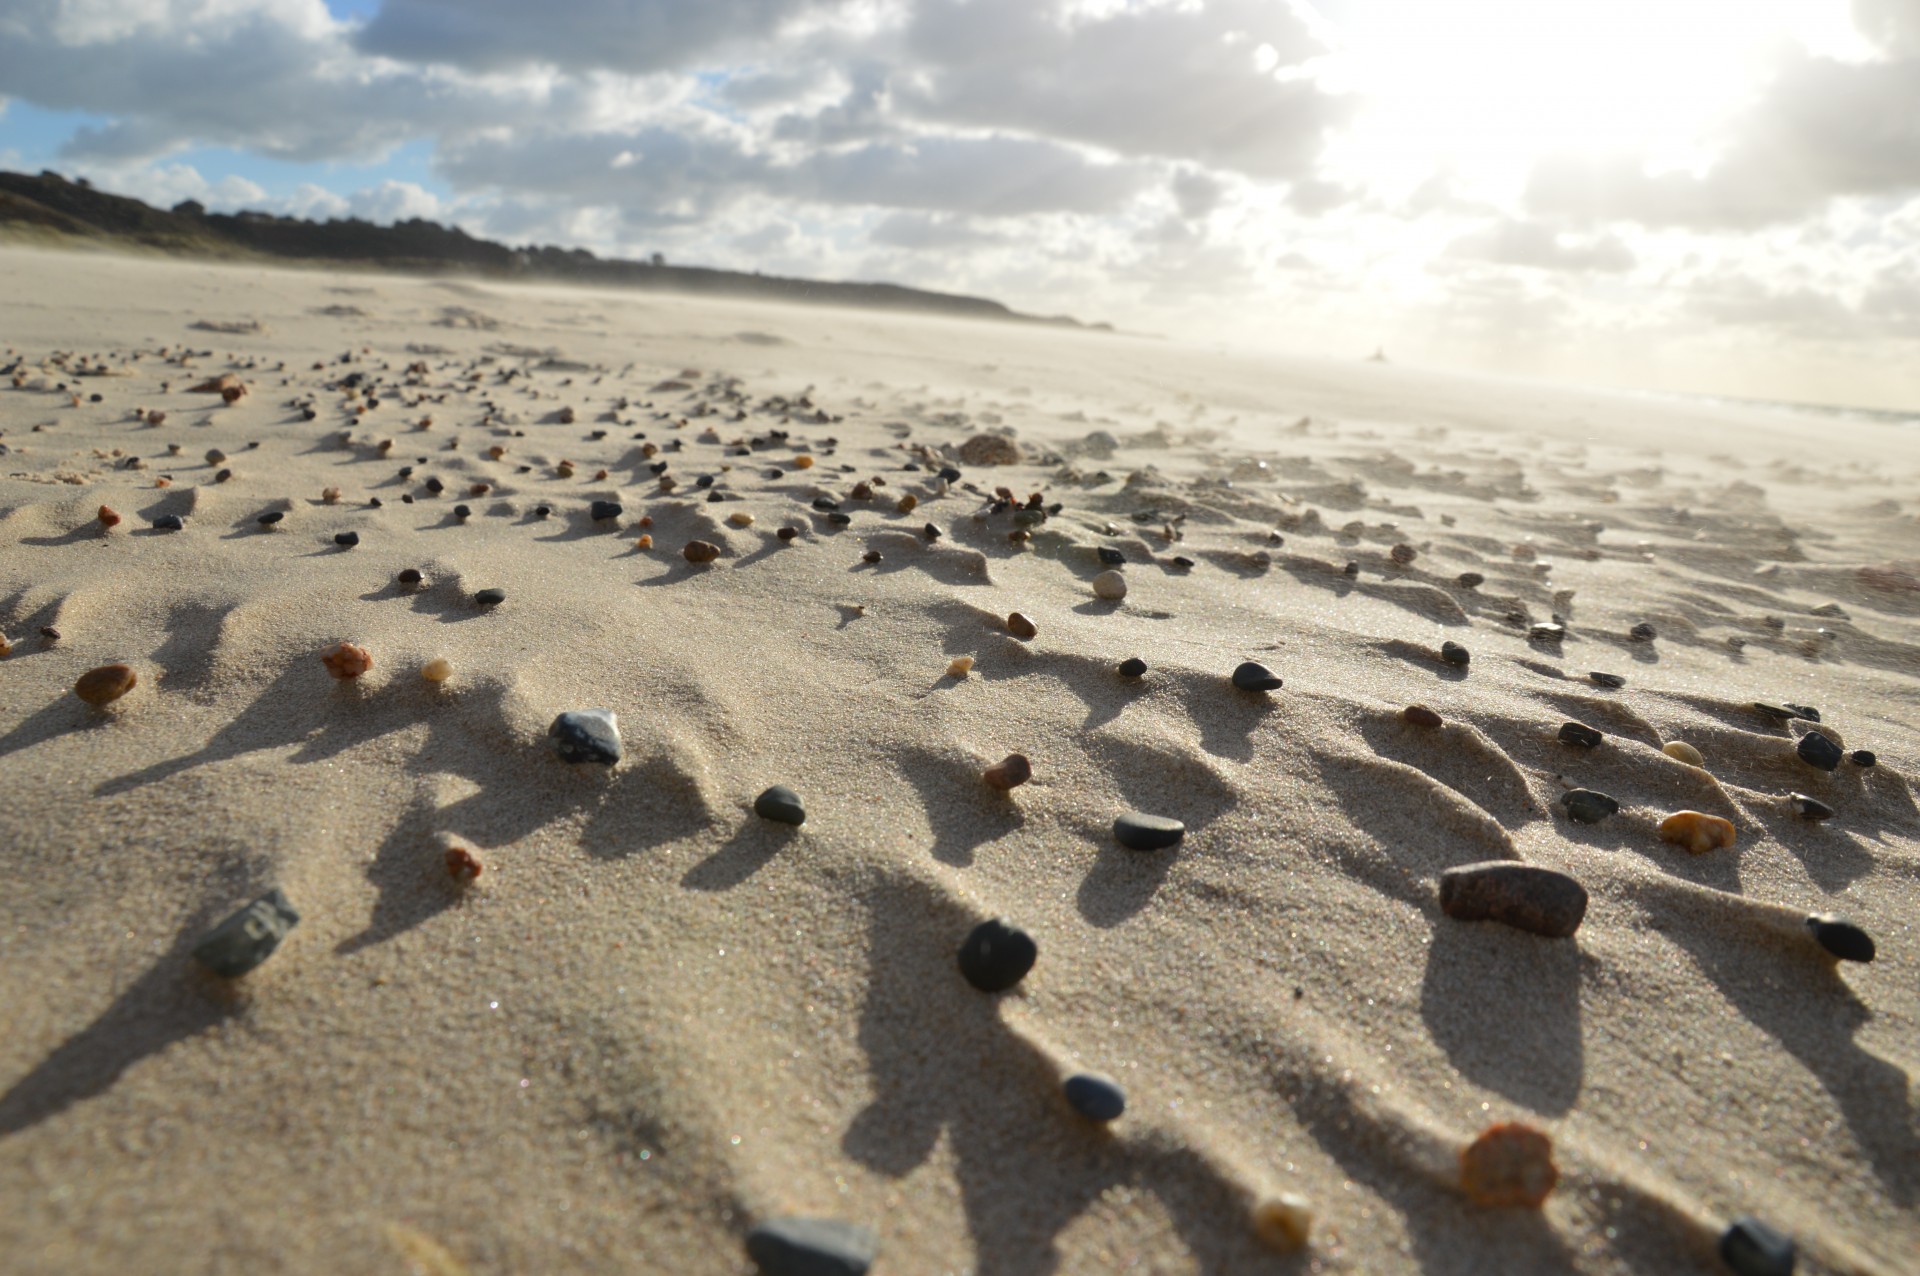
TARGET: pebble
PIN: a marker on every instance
(1643, 632)
(1351, 569)
(812, 1246)
(409, 576)
(1110, 585)
(740, 518)
(1696, 831)
(543, 511)
(1471, 580)
(700, 551)
(961, 667)
(346, 660)
(1509, 1164)
(1751, 1248)
(1841, 937)
(439, 669)
(169, 523)
(1549, 632)
(1011, 773)
(108, 516)
(463, 511)
(645, 541)
(1863, 758)
(1805, 711)
(1454, 654)
(1133, 667)
(1819, 750)
(1580, 735)
(346, 540)
(462, 865)
(271, 517)
(1809, 808)
(247, 938)
(1138, 831)
(587, 735)
(1778, 712)
(104, 685)
(787, 533)
(1284, 1220)
(780, 804)
(1588, 806)
(871, 556)
(1095, 1096)
(1421, 716)
(1020, 626)
(1111, 557)
(602, 510)
(1608, 679)
(1254, 676)
(1403, 554)
(931, 532)
(997, 955)
(490, 597)
(1524, 896)
(1681, 751)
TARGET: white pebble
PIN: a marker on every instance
(439, 669)
(1111, 585)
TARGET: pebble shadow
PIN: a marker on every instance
(1505, 1007)
(745, 853)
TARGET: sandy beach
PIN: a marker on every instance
(657, 1020)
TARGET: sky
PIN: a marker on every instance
(1715, 196)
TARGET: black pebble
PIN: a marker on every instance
(812, 1247)
(1809, 808)
(604, 509)
(1751, 1248)
(222, 476)
(1095, 1097)
(1454, 654)
(996, 956)
(705, 480)
(346, 540)
(1580, 734)
(1182, 562)
(1138, 831)
(169, 523)
(1253, 676)
(1608, 679)
(839, 520)
(490, 597)
(463, 511)
(932, 533)
(1841, 937)
(1819, 750)
(1471, 580)
(1862, 757)
(271, 517)
(1805, 711)
(409, 576)
(1351, 569)
(435, 486)
(1112, 557)
(542, 511)
(1589, 806)
(1643, 632)
(1547, 632)
(950, 474)
(1133, 668)
(780, 804)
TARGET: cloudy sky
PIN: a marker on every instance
(1719, 196)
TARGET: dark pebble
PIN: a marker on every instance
(1588, 806)
(1580, 735)
(839, 520)
(1133, 668)
(825, 503)
(780, 804)
(1778, 712)
(1524, 896)
(950, 474)
(409, 576)
(222, 476)
(1863, 757)
(1608, 679)
(1454, 654)
(787, 533)
(605, 509)
(1841, 937)
(1809, 808)
(346, 540)
(1750, 1248)
(1805, 711)
(1471, 580)
(490, 597)
(247, 938)
(586, 735)
(1138, 831)
(1643, 632)
(1819, 750)
(871, 556)
(1095, 1097)
(542, 511)
(931, 532)
(1253, 676)
(1547, 632)
(1112, 557)
(271, 517)
(812, 1247)
(435, 486)
(1421, 716)
(169, 523)
(1183, 562)
(463, 511)
(996, 956)
(1351, 569)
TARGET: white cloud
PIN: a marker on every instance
(1531, 244)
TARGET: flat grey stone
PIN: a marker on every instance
(812, 1247)
(1588, 805)
(1524, 896)
(1138, 831)
(587, 735)
(1095, 1096)
(247, 938)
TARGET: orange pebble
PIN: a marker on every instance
(645, 542)
(803, 462)
(105, 684)
(1696, 831)
(109, 517)
(1509, 1164)
(462, 866)
(346, 660)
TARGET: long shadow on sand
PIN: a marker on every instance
(1505, 1006)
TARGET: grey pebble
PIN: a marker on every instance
(1454, 654)
(601, 510)
(1138, 831)
(812, 1247)
(1471, 580)
(247, 938)
(1580, 735)
(1608, 679)
(1095, 1096)
(1818, 750)
(490, 597)
(169, 523)
(1547, 633)
(1751, 1248)
(1588, 806)
(780, 804)
(586, 735)
(1525, 896)
(1253, 676)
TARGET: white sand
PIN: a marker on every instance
(657, 1019)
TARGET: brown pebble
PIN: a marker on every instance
(109, 517)
(787, 533)
(907, 503)
(803, 462)
(6, 646)
(1509, 1164)
(1021, 627)
(330, 495)
(700, 551)
(871, 556)
(105, 684)
(346, 660)
(645, 541)
(1403, 554)
(1697, 831)
(1421, 716)
(1009, 774)
(49, 633)
(462, 865)
(1524, 896)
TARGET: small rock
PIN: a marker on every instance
(490, 597)
(600, 511)
(700, 551)
(587, 735)
(1524, 896)
(1548, 632)
(169, 523)
(1509, 1164)
(108, 516)
(987, 449)
(439, 669)
(463, 511)
(1841, 937)
(1806, 712)
(1454, 654)
(462, 865)
(271, 517)
(1014, 771)
(1110, 585)
(1580, 735)
(1351, 569)
(1608, 679)
(1809, 808)
(346, 660)
(1750, 1248)
(1138, 831)
(346, 540)
(960, 667)
(1111, 557)
(1133, 667)
(1020, 626)
(1283, 1221)
(1588, 806)
(740, 518)
(1253, 676)
(1696, 831)
(931, 532)
(247, 938)
(1863, 758)
(996, 956)
(812, 1247)
(785, 534)
(1643, 632)
(781, 805)
(1095, 1096)
(1471, 580)
(871, 556)
(1421, 716)
(1819, 750)
(104, 685)
(1778, 712)
(409, 576)
(1681, 751)
(1403, 554)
